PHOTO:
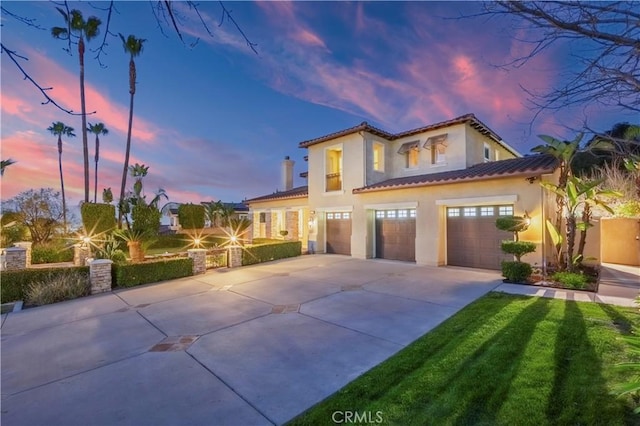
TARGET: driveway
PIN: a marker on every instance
(248, 346)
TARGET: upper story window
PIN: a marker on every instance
(438, 147)
(487, 152)
(378, 157)
(333, 169)
(411, 152)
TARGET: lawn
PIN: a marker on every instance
(504, 359)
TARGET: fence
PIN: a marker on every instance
(216, 258)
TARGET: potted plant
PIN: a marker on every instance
(134, 241)
(284, 233)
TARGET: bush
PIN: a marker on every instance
(517, 248)
(264, 253)
(511, 223)
(191, 216)
(571, 279)
(132, 274)
(515, 271)
(146, 219)
(15, 283)
(98, 219)
(57, 287)
(51, 253)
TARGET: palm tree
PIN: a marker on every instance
(4, 164)
(98, 129)
(132, 46)
(58, 129)
(76, 25)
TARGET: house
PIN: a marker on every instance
(170, 211)
(429, 195)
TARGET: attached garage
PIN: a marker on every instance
(396, 234)
(472, 237)
(338, 232)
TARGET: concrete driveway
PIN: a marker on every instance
(249, 346)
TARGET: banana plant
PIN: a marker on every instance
(577, 195)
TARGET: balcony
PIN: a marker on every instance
(333, 182)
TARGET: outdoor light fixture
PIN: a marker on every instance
(86, 240)
(233, 239)
(527, 218)
(196, 242)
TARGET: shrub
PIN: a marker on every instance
(571, 279)
(511, 224)
(515, 271)
(98, 219)
(51, 253)
(146, 219)
(129, 275)
(15, 283)
(57, 287)
(267, 252)
(517, 248)
(191, 216)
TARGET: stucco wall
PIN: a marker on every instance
(475, 148)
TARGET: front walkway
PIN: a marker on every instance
(249, 346)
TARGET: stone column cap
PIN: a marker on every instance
(196, 250)
(15, 249)
(101, 262)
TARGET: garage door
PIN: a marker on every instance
(339, 232)
(472, 237)
(396, 234)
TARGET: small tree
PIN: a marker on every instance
(40, 211)
(515, 271)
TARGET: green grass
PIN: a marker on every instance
(503, 360)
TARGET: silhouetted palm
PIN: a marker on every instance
(98, 129)
(58, 129)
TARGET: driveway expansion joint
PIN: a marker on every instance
(174, 343)
(285, 309)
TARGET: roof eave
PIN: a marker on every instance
(450, 181)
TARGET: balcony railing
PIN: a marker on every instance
(334, 182)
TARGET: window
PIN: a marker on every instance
(391, 213)
(412, 213)
(263, 217)
(333, 165)
(329, 215)
(486, 211)
(338, 215)
(505, 210)
(380, 214)
(403, 213)
(453, 212)
(346, 215)
(487, 153)
(438, 146)
(411, 152)
(378, 157)
(469, 211)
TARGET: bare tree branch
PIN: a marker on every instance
(100, 49)
(13, 55)
(227, 13)
(27, 21)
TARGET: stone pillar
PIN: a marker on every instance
(81, 253)
(15, 258)
(267, 225)
(100, 275)
(25, 245)
(235, 257)
(199, 257)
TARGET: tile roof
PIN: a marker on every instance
(523, 166)
(299, 192)
(366, 127)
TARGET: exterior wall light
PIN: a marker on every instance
(527, 218)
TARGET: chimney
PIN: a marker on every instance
(287, 173)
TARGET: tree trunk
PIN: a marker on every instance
(64, 200)
(586, 219)
(95, 185)
(83, 107)
(132, 74)
(571, 240)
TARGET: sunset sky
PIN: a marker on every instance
(213, 120)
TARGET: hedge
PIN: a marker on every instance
(51, 253)
(183, 241)
(98, 218)
(191, 216)
(267, 252)
(133, 274)
(14, 283)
